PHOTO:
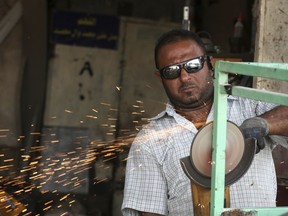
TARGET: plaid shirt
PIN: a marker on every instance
(156, 183)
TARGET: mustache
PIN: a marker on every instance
(189, 84)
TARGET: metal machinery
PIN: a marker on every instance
(277, 71)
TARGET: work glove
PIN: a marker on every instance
(256, 128)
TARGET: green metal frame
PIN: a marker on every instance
(222, 69)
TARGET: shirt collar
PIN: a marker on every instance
(169, 110)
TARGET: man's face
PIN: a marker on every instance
(189, 90)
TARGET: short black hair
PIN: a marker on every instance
(176, 35)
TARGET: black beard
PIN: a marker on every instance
(192, 103)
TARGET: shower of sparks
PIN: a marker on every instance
(105, 104)
(4, 130)
(47, 166)
(90, 116)
(113, 109)
(94, 110)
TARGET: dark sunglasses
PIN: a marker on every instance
(191, 66)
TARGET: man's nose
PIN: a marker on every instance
(184, 75)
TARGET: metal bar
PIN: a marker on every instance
(264, 70)
(277, 71)
(257, 94)
(219, 145)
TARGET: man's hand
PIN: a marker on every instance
(257, 128)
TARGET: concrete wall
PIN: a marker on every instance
(272, 39)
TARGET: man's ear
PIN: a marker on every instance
(211, 62)
(211, 66)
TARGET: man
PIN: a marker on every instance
(155, 182)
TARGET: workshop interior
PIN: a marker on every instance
(77, 84)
